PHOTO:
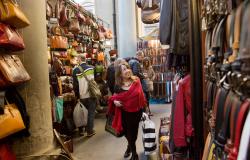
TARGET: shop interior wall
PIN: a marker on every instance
(36, 92)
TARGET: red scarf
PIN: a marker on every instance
(132, 100)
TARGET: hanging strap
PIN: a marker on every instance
(2, 96)
(83, 73)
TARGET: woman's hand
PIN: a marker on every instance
(117, 103)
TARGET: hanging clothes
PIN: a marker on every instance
(183, 113)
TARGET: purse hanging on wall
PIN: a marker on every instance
(11, 14)
(12, 71)
(11, 121)
(10, 39)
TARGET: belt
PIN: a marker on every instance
(220, 110)
(237, 30)
(221, 101)
(223, 133)
(240, 122)
(233, 117)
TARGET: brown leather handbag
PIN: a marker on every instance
(150, 16)
(12, 71)
(74, 25)
(63, 20)
(12, 14)
(59, 42)
(10, 39)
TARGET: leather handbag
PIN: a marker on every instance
(150, 16)
(10, 39)
(63, 20)
(81, 17)
(12, 71)
(74, 25)
(11, 121)
(49, 11)
(109, 128)
(108, 34)
(12, 14)
(59, 42)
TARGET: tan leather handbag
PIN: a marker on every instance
(11, 121)
(12, 71)
(58, 42)
(10, 39)
(109, 34)
(11, 14)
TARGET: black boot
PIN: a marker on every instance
(127, 152)
(134, 157)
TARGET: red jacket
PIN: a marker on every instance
(183, 113)
(132, 100)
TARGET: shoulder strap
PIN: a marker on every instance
(2, 96)
(83, 73)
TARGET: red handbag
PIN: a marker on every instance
(6, 153)
(10, 39)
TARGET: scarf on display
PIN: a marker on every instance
(132, 100)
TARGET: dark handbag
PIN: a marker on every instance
(109, 128)
(10, 39)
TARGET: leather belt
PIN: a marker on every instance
(219, 119)
(240, 122)
(220, 110)
(234, 112)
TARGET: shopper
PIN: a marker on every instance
(149, 74)
(111, 75)
(80, 85)
(136, 66)
(129, 97)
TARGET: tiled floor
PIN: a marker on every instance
(104, 146)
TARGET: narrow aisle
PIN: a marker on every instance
(107, 147)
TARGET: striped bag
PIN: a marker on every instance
(148, 135)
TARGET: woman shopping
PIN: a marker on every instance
(149, 75)
(127, 104)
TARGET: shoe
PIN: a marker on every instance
(134, 157)
(91, 134)
(127, 152)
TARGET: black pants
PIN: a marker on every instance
(130, 123)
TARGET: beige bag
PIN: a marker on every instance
(150, 16)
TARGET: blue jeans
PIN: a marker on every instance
(90, 104)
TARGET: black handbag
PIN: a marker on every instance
(109, 128)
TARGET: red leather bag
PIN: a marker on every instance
(6, 153)
(63, 20)
(10, 39)
(74, 25)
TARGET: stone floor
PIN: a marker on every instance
(104, 146)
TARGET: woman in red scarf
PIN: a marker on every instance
(127, 104)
